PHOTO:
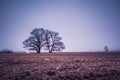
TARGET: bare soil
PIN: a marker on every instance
(60, 66)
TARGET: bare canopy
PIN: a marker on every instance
(36, 41)
(46, 39)
(53, 41)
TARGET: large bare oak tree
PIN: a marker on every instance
(36, 41)
(53, 41)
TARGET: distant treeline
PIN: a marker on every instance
(10, 51)
(6, 51)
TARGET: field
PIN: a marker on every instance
(60, 66)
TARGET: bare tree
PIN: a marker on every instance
(36, 41)
(106, 48)
(53, 41)
(40, 38)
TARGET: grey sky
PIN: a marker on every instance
(84, 25)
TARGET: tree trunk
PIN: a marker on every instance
(39, 50)
(50, 51)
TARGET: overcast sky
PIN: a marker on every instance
(84, 25)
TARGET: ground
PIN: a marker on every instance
(60, 66)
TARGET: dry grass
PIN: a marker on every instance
(59, 67)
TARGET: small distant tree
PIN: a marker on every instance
(53, 41)
(106, 48)
(36, 41)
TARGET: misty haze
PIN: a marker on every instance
(59, 40)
